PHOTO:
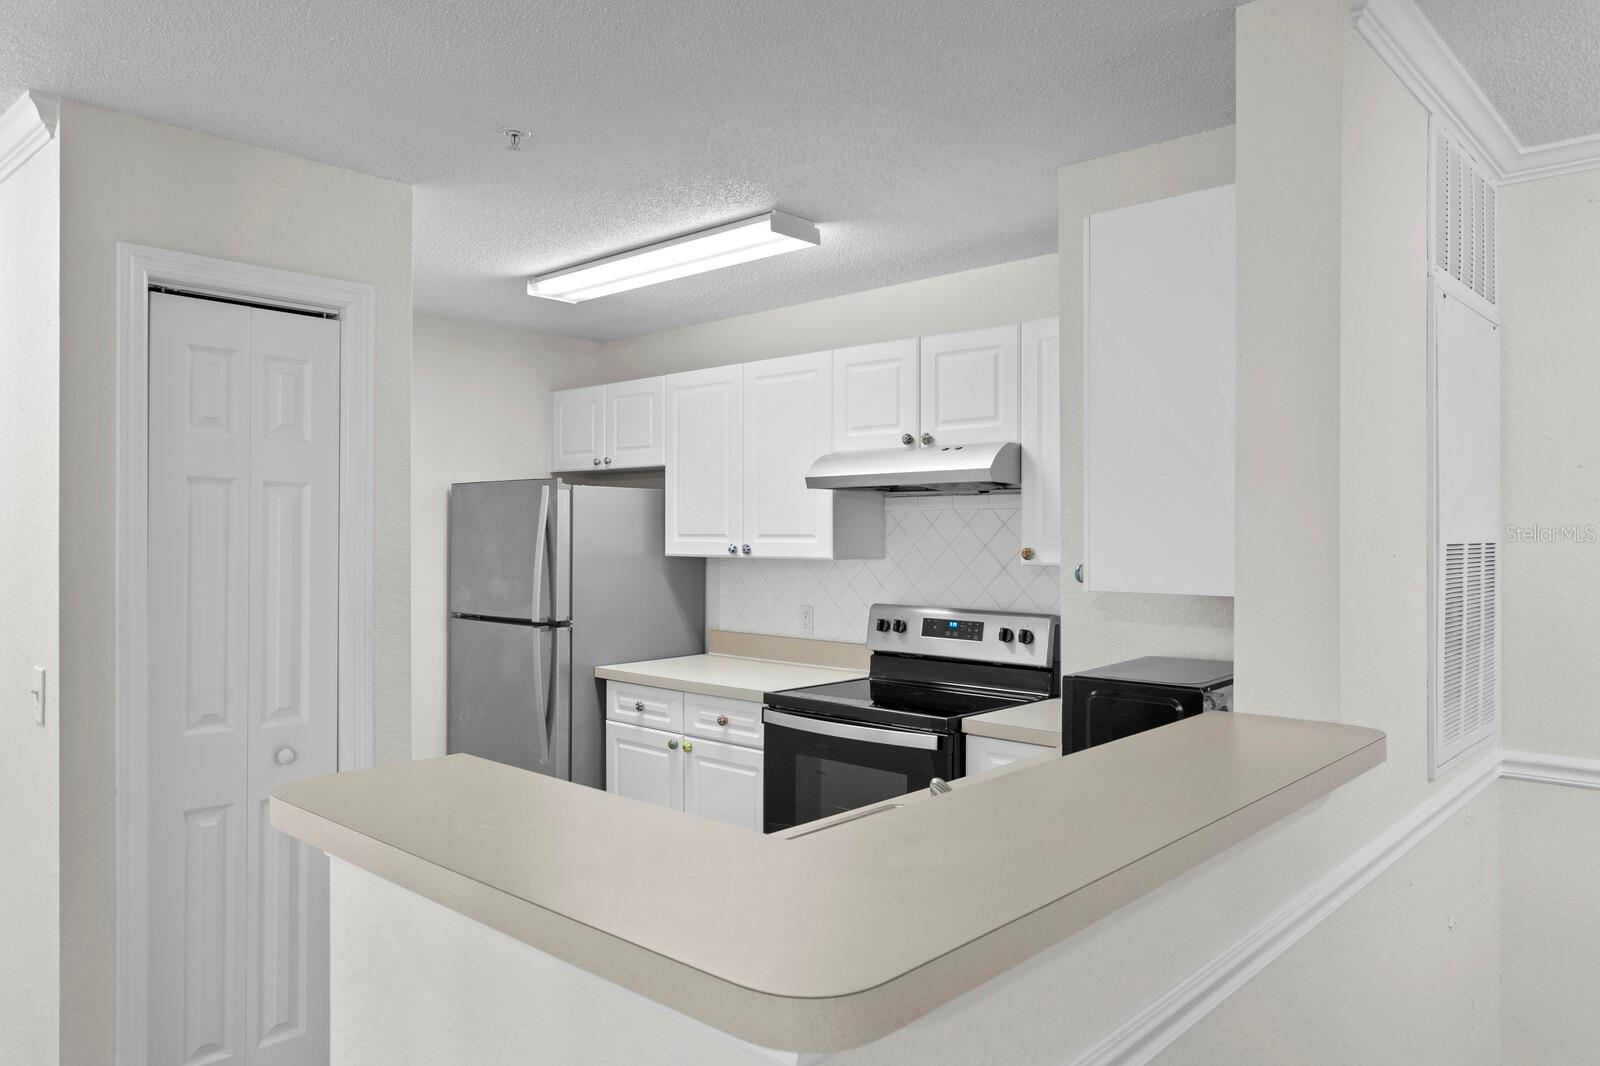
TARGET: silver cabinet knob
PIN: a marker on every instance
(907, 439)
(927, 439)
(638, 705)
(747, 549)
(597, 460)
(285, 756)
(687, 744)
(608, 460)
(722, 719)
(673, 743)
(733, 549)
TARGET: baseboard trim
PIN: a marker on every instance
(1550, 769)
(1142, 1036)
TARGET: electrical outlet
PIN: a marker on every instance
(808, 619)
(37, 692)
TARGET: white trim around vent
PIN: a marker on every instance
(25, 127)
(1405, 39)
(1148, 1031)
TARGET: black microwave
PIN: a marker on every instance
(1116, 701)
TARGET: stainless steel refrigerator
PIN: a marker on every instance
(548, 581)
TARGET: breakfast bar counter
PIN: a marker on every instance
(828, 936)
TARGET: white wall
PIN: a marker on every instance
(938, 549)
(480, 410)
(128, 179)
(1550, 476)
(987, 296)
(1289, 116)
(30, 246)
(1105, 627)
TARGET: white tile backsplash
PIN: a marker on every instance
(960, 551)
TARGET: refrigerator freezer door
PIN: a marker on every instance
(509, 687)
(503, 552)
(630, 601)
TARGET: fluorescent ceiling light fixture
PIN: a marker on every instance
(693, 253)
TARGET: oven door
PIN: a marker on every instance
(817, 767)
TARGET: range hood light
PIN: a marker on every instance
(693, 253)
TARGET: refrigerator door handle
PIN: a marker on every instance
(556, 703)
(537, 633)
(539, 553)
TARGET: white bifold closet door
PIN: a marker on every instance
(243, 637)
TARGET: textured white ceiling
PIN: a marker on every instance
(1538, 61)
(922, 136)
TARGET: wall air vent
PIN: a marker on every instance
(1468, 684)
(1465, 215)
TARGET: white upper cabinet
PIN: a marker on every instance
(609, 427)
(1041, 442)
(1159, 358)
(875, 396)
(636, 433)
(786, 428)
(969, 386)
(705, 440)
(578, 429)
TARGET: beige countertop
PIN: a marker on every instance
(1030, 723)
(732, 676)
(823, 940)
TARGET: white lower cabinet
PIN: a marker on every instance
(722, 782)
(991, 753)
(679, 767)
(644, 764)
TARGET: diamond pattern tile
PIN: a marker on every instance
(956, 550)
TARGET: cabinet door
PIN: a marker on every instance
(644, 764)
(577, 436)
(635, 431)
(875, 396)
(991, 753)
(1041, 442)
(1158, 386)
(968, 386)
(704, 439)
(722, 782)
(786, 429)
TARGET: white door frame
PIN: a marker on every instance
(138, 268)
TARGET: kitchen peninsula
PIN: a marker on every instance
(821, 939)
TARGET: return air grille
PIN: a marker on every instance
(1464, 216)
(1468, 665)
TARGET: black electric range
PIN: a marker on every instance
(836, 747)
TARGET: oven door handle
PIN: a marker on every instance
(845, 731)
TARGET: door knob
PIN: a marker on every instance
(638, 705)
(597, 460)
(927, 439)
(285, 756)
(747, 549)
(1027, 553)
(722, 719)
(608, 460)
(687, 744)
(907, 439)
(733, 549)
(673, 743)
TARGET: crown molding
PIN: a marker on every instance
(25, 127)
(1405, 40)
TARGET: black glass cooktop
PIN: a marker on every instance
(891, 702)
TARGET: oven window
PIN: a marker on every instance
(807, 775)
(825, 787)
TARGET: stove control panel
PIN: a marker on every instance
(952, 633)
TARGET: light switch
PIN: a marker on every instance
(37, 691)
